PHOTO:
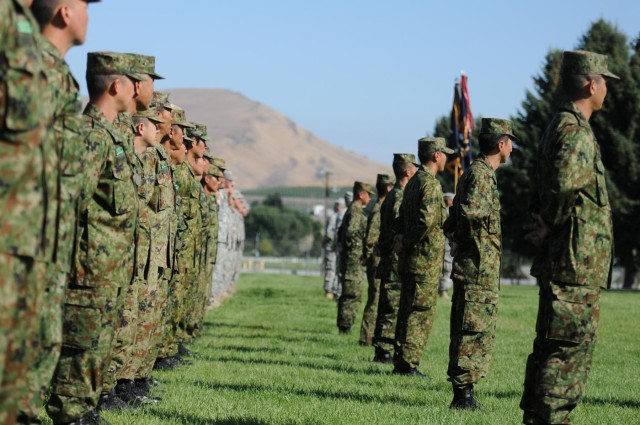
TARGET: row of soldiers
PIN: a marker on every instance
(571, 226)
(112, 222)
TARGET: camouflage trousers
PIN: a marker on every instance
(89, 320)
(474, 312)
(558, 368)
(167, 346)
(385, 332)
(153, 301)
(330, 272)
(49, 341)
(21, 281)
(349, 303)
(418, 298)
(371, 308)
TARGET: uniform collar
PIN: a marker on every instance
(573, 109)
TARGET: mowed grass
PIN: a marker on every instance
(271, 354)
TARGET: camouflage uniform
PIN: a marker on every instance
(214, 225)
(65, 138)
(475, 224)
(385, 331)
(219, 283)
(104, 260)
(372, 259)
(351, 239)
(23, 116)
(570, 194)
(330, 247)
(420, 223)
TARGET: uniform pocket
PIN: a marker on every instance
(574, 313)
(72, 147)
(23, 110)
(426, 294)
(82, 319)
(601, 182)
(479, 310)
(123, 194)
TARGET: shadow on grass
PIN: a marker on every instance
(630, 404)
(282, 338)
(218, 325)
(308, 365)
(243, 348)
(190, 419)
(354, 396)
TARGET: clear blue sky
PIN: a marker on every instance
(371, 76)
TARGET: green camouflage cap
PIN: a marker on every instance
(149, 114)
(202, 129)
(207, 154)
(405, 158)
(430, 145)
(192, 132)
(220, 163)
(161, 99)
(179, 117)
(360, 186)
(582, 62)
(146, 65)
(385, 179)
(215, 171)
(497, 126)
(111, 63)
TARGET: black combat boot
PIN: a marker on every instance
(410, 372)
(91, 418)
(382, 356)
(111, 401)
(166, 363)
(463, 398)
(184, 351)
(344, 330)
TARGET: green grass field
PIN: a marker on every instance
(271, 354)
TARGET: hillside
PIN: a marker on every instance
(264, 148)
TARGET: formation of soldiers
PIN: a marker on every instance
(400, 248)
(119, 227)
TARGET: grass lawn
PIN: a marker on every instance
(272, 355)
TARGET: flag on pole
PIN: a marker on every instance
(462, 125)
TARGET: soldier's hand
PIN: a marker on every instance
(538, 231)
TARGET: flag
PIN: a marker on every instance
(462, 125)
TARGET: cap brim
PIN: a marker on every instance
(155, 120)
(448, 151)
(137, 77)
(183, 124)
(206, 138)
(156, 76)
(610, 75)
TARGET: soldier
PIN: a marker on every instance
(223, 235)
(23, 260)
(172, 144)
(64, 145)
(420, 242)
(574, 232)
(337, 287)
(211, 185)
(330, 248)
(473, 229)
(105, 253)
(445, 279)
(125, 353)
(404, 167)
(384, 183)
(351, 239)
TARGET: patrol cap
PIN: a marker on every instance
(202, 131)
(583, 62)
(360, 186)
(405, 158)
(498, 127)
(192, 132)
(161, 99)
(146, 65)
(228, 175)
(179, 117)
(149, 114)
(214, 171)
(340, 202)
(348, 197)
(430, 145)
(220, 163)
(207, 154)
(112, 63)
(384, 179)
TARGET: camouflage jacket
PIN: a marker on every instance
(189, 193)
(389, 211)
(371, 253)
(474, 222)
(419, 222)
(109, 217)
(213, 228)
(570, 194)
(145, 169)
(162, 204)
(351, 239)
(23, 116)
(66, 137)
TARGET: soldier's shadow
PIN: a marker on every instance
(190, 419)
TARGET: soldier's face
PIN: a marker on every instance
(149, 133)
(144, 91)
(124, 92)
(505, 150)
(599, 92)
(441, 160)
(163, 128)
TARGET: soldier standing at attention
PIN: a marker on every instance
(104, 260)
(330, 248)
(573, 229)
(384, 183)
(351, 237)
(420, 243)
(64, 143)
(404, 167)
(23, 117)
(473, 229)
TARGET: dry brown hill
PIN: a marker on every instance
(264, 148)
